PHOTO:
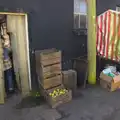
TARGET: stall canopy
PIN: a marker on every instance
(108, 35)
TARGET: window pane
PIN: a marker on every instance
(76, 21)
(76, 6)
(83, 7)
(82, 21)
(80, 6)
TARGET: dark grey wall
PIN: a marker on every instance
(50, 26)
(103, 5)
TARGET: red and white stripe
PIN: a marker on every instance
(108, 35)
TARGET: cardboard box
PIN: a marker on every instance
(110, 83)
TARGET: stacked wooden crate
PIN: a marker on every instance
(49, 71)
(48, 67)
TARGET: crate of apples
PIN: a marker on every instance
(57, 96)
(58, 92)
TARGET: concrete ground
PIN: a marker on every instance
(92, 103)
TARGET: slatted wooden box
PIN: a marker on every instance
(48, 62)
(55, 102)
(48, 56)
(48, 67)
(49, 71)
(69, 79)
(51, 82)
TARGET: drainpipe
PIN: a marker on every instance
(91, 41)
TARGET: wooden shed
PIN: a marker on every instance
(17, 25)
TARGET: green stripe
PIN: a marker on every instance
(111, 27)
(118, 38)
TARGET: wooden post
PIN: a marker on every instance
(2, 87)
(91, 41)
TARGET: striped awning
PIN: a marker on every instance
(108, 35)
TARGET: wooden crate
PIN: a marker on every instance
(50, 54)
(47, 57)
(55, 102)
(48, 71)
(69, 78)
(51, 82)
(51, 61)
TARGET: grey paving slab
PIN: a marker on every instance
(93, 104)
(50, 114)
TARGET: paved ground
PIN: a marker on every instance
(90, 104)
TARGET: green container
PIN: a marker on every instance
(111, 75)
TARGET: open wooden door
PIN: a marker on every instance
(2, 88)
(16, 24)
(14, 46)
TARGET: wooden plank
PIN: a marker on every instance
(28, 50)
(47, 57)
(21, 33)
(51, 82)
(16, 14)
(51, 61)
(21, 50)
(2, 88)
(51, 70)
(49, 54)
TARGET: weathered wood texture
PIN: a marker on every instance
(48, 67)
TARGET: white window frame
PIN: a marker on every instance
(80, 13)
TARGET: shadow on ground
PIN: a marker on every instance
(30, 102)
(92, 103)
